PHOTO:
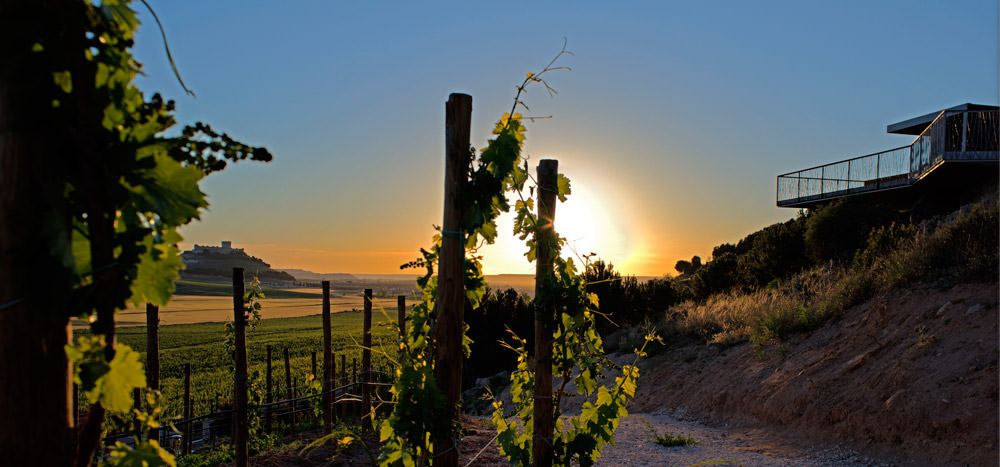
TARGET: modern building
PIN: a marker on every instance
(954, 155)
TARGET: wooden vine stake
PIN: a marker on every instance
(152, 351)
(401, 315)
(186, 432)
(449, 308)
(327, 363)
(366, 365)
(269, 395)
(291, 394)
(545, 238)
(240, 431)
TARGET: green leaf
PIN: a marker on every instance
(64, 80)
(147, 454)
(170, 190)
(563, 187)
(157, 270)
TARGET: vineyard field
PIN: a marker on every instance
(202, 345)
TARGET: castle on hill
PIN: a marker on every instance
(225, 249)
(211, 262)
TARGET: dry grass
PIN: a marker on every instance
(959, 247)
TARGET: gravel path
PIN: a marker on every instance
(747, 447)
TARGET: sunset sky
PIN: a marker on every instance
(672, 125)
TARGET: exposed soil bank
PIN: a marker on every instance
(911, 375)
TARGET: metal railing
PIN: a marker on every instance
(871, 172)
(962, 135)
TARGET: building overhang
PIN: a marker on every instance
(917, 125)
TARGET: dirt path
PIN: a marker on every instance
(748, 447)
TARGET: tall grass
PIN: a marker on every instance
(959, 247)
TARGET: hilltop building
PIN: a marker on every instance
(205, 261)
(953, 159)
(225, 249)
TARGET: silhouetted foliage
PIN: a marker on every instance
(837, 230)
(777, 251)
(718, 275)
(498, 311)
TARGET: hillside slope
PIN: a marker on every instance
(911, 374)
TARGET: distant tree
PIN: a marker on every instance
(687, 268)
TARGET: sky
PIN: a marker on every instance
(672, 124)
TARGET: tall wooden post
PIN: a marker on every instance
(366, 365)
(327, 363)
(240, 429)
(137, 404)
(288, 386)
(449, 309)
(343, 382)
(354, 387)
(401, 315)
(186, 434)
(333, 377)
(269, 396)
(545, 237)
(152, 351)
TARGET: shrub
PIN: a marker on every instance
(498, 310)
(778, 251)
(836, 231)
(882, 241)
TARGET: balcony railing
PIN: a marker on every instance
(952, 135)
(881, 170)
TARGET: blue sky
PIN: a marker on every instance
(673, 122)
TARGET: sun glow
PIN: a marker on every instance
(590, 223)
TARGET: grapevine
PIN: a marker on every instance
(498, 169)
(115, 192)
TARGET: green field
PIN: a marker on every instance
(202, 346)
(222, 289)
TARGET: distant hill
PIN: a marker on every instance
(301, 275)
(204, 261)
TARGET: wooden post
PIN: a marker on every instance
(343, 382)
(240, 428)
(401, 315)
(366, 365)
(288, 387)
(328, 400)
(328, 368)
(354, 386)
(449, 308)
(137, 405)
(186, 434)
(545, 236)
(269, 393)
(152, 350)
(269, 396)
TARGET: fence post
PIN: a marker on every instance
(401, 314)
(152, 351)
(186, 434)
(366, 364)
(333, 384)
(240, 429)
(343, 382)
(288, 386)
(450, 305)
(354, 386)
(545, 238)
(269, 396)
(327, 363)
(136, 402)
